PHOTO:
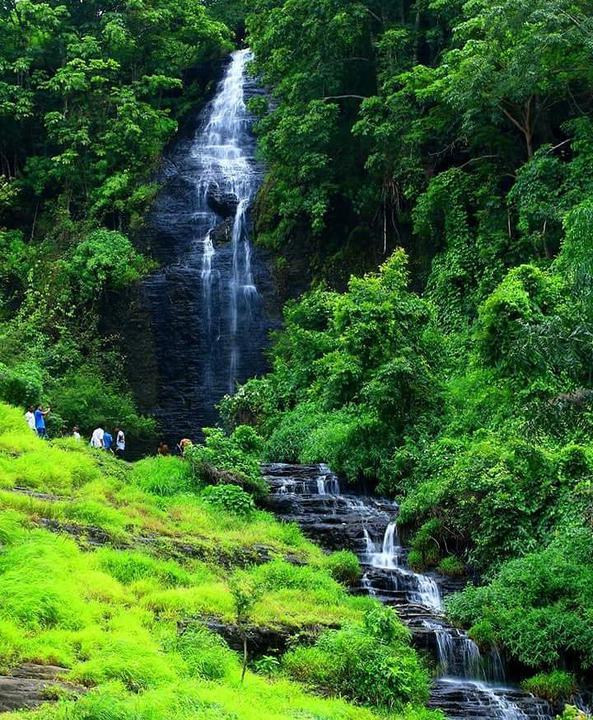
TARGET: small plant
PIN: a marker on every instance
(246, 593)
(230, 498)
(573, 713)
(482, 633)
(554, 686)
(452, 566)
(344, 567)
(267, 665)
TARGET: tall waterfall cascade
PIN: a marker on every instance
(208, 325)
(468, 684)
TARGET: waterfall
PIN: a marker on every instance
(327, 482)
(421, 588)
(202, 315)
(467, 684)
(230, 178)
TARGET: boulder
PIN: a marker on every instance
(223, 203)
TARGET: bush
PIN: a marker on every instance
(361, 665)
(231, 458)
(83, 398)
(22, 384)
(230, 498)
(425, 545)
(452, 566)
(538, 606)
(344, 567)
(553, 686)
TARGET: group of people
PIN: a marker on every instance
(180, 448)
(103, 439)
(35, 417)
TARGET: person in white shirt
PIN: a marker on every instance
(97, 438)
(120, 442)
(30, 418)
(76, 433)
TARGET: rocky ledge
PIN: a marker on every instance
(29, 685)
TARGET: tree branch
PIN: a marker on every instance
(339, 97)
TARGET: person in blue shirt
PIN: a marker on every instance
(107, 440)
(40, 414)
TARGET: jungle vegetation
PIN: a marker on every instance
(433, 160)
(451, 144)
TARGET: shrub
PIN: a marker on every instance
(83, 398)
(344, 567)
(230, 498)
(553, 686)
(355, 663)
(452, 566)
(231, 458)
(538, 605)
(573, 713)
(425, 545)
(22, 384)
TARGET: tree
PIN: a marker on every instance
(246, 593)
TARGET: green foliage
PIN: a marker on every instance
(206, 655)
(126, 620)
(554, 686)
(164, 476)
(339, 396)
(367, 663)
(572, 713)
(451, 566)
(128, 567)
(344, 567)
(105, 260)
(21, 384)
(88, 99)
(86, 400)
(231, 498)
(538, 605)
(229, 459)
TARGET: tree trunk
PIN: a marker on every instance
(244, 668)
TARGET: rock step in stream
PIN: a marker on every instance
(468, 685)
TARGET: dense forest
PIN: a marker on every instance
(428, 178)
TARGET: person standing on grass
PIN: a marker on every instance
(76, 433)
(40, 414)
(107, 440)
(163, 449)
(30, 417)
(120, 442)
(97, 438)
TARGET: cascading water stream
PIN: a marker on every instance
(468, 685)
(205, 319)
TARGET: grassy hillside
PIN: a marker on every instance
(108, 569)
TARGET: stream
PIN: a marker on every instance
(467, 684)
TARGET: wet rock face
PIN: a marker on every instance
(199, 326)
(469, 700)
(223, 203)
(334, 521)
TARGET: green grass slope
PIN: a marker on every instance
(108, 569)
